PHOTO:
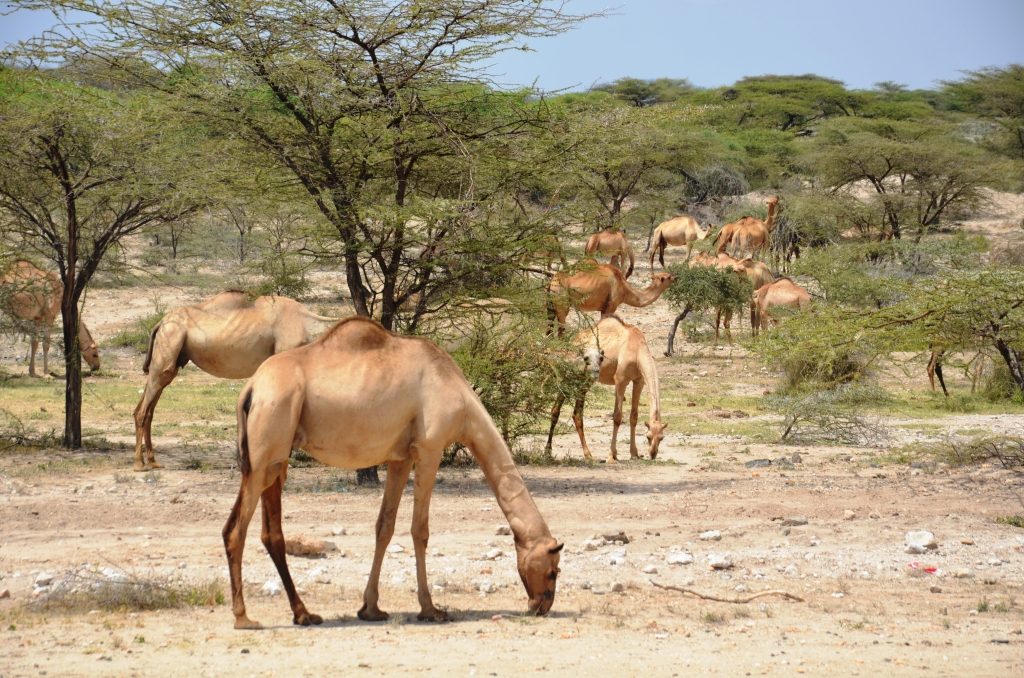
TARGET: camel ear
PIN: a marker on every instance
(555, 549)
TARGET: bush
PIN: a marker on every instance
(832, 415)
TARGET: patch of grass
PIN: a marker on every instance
(1014, 520)
(712, 617)
(137, 335)
(982, 606)
(85, 592)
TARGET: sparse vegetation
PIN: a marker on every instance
(87, 589)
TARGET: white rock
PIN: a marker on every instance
(617, 557)
(494, 554)
(396, 548)
(680, 558)
(711, 535)
(487, 587)
(271, 587)
(338, 531)
(849, 514)
(44, 579)
(719, 561)
(650, 569)
(593, 544)
(919, 541)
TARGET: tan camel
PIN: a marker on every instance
(782, 292)
(361, 396)
(600, 287)
(614, 244)
(228, 336)
(33, 296)
(625, 359)
(756, 272)
(680, 231)
(748, 234)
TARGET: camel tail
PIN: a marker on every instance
(149, 349)
(244, 403)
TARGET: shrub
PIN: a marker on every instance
(137, 335)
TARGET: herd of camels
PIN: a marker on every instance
(315, 384)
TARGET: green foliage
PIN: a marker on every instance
(702, 287)
(641, 93)
(137, 335)
(833, 415)
(998, 95)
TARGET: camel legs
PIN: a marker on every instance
(398, 474)
(253, 485)
(33, 347)
(156, 383)
(634, 416)
(423, 487)
(620, 394)
(273, 540)
(556, 411)
(577, 421)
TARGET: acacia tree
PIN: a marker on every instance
(918, 171)
(997, 94)
(81, 170)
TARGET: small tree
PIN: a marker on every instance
(701, 288)
(998, 95)
(81, 170)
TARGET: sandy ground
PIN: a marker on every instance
(827, 526)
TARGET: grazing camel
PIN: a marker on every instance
(361, 396)
(626, 360)
(782, 292)
(228, 336)
(33, 296)
(600, 287)
(747, 234)
(678, 231)
(614, 244)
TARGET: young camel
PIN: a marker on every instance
(228, 336)
(361, 396)
(782, 292)
(33, 295)
(680, 231)
(599, 287)
(748, 234)
(613, 244)
(626, 360)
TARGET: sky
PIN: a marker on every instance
(916, 43)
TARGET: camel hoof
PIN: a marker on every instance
(154, 464)
(611, 460)
(375, 615)
(246, 624)
(307, 618)
(139, 467)
(434, 615)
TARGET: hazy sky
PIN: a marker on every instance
(716, 42)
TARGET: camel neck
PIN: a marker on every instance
(650, 375)
(770, 221)
(644, 297)
(495, 460)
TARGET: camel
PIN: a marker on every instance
(747, 234)
(360, 396)
(756, 272)
(600, 287)
(679, 231)
(228, 336)
(626, 360)
(614, 244)
(782, 292)
(33, 296)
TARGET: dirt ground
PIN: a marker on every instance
(823, 523)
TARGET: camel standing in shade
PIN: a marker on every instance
(613, 244)
(228, 336)
(599, 287)
(361, 396)
(626, 360)
(747, 234)
(33, 296)
(681, 231)
(782, 292)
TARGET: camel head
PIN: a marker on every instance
(538, 568)
(701, 234)
(661, 280)
(655, 434)
(593, 357)
(91, 355)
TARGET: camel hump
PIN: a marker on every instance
(357, 333)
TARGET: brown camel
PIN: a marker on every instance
(680, 231)
(361, 396)
(756, 272)
(782, 292)
(600, 287)
(228, 336)
(626, 360)
(33, 296)
(748, 234)
(614, 244)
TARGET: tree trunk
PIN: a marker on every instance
(1013, 362)
(73, 375)
(675, 326)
